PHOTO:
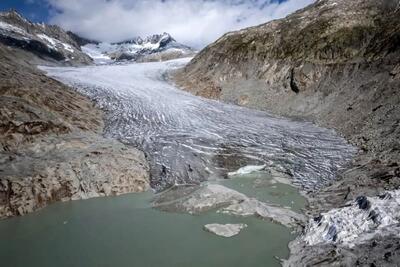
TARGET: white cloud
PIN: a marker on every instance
(193, 22)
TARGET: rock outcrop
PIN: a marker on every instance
(51, 144)
(335, 62)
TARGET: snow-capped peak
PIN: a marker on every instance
(135, 48)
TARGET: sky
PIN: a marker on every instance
(192, 22)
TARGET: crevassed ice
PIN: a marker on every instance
(350, 225)
(189, 139)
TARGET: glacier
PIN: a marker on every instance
(188, 139)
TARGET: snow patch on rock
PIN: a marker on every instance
(54, 43)
(11, 28)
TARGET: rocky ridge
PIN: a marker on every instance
(336, 63)
(48, 42)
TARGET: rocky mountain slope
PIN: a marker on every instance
(48, 42)
(158, 47)
(336, 62)
(51, 143)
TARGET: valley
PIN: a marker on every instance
(275, 145)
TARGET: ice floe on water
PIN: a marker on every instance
(247, 170)
(225, 230)
(360, 219)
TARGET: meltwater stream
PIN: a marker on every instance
(189, 139)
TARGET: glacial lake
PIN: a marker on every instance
(127, 231)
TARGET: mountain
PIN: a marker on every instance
(48, 42)
(157, 47)
(52, 43)
(337, 63)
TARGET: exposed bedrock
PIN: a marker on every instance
(68, 168)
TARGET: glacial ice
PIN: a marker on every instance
(247, 170)
(97, 56)
(352, 224)
(189, 139)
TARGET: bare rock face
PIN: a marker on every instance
(51, 148)
(68, 168)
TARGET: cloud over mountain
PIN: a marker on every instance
(194, 22)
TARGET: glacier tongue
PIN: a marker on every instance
(189, 139)
(98, 56)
